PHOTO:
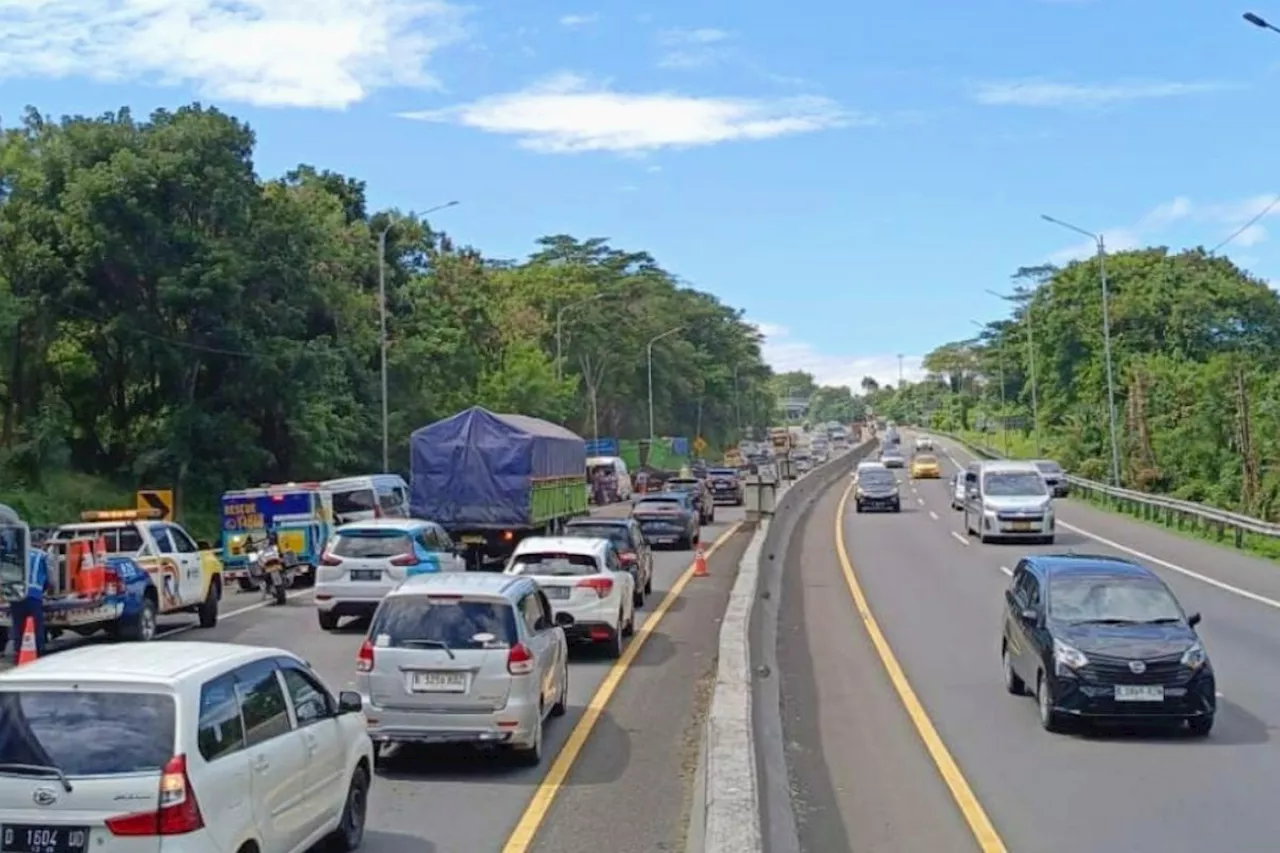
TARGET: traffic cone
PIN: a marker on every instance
(699, 565)
(27, 653)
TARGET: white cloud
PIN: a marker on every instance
(276, 53)
(784, 353)
(696, 48)
(1036, 92)
(579, 20)
(565, 115)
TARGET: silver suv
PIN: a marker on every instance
(464, 658)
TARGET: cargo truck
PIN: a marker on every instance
(493, 479)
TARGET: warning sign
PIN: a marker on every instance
(699, 445)
(157, 499)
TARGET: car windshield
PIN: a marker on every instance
(683, 485)
(554, 564)
(1014, 484)
(87, 732)
(1110, 599)
(372, 544)
(877, 478)
(1049, 467)
(420, 621)
(926, 460)
(618, 534)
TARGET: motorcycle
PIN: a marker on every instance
(270, 570)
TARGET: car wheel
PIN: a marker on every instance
(531, 755)
(629, 628)
(897, 507)
(562, 700)
(209, 607)
(857, 507)
(350, 832)
(637, 597)
(648, 583)
(141, 627)
(614, 649)
(1012, 682)
(1050, 720)
(328, 621)
(1200, 726)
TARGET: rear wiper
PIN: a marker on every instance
(1167, 620)
(431, 644)
(47, 769)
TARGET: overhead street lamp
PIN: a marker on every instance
(1259, 22)
(1004, 432)
(1106, 338)
(649, 358)
(560, 329)
(1031, 359)
(382, 333)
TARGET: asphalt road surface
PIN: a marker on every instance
(627, 789)
(863, 777)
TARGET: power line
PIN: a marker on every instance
(1247, 225)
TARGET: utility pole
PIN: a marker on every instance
(649, 359)
(899, 371)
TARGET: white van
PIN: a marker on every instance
(1007, 500)
(616, 475)
(366, 497)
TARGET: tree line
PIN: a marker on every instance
(169, 317)
(1196, 357)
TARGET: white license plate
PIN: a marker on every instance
(366, 574)
(559, 593)
(1023, 525)
(1139, 693)
(439, 682)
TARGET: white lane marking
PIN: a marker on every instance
(933, 515)
(1008, 571)
(1173, 567)
(230, 614)
(920, 501)
(961, 539)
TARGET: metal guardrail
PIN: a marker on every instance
(1172, 512)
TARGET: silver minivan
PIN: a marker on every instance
(1007, 500)
(465, 658)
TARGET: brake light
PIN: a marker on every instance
(519, 660)
(327, 559)
(627, 557)
(111, 581)
(404, 560)
(602, 586)
(177, 814)
(364, 657)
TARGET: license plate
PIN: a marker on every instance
(473, 539)
(559, 593)
(366, 574)
(1139, 693)
(27, 838)
(1022, 525)
(439, 682)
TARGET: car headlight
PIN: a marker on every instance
(1068, 656)
(1195, 657)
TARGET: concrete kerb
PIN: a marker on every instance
(728, 816)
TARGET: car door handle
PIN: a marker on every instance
(312, 743)
(261, 764)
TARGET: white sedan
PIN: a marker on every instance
(586, 579)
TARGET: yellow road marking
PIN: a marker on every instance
(984, 832)
(521, 838)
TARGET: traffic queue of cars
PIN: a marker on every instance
(1093, 638)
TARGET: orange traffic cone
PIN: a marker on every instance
(27, 653)
(699, 564)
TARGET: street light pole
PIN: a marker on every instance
(382, 332)
(649, 359)
(560, 330)
(1258, 21)
(1106, 338)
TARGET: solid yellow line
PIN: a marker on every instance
(984, 832)
(521, 838)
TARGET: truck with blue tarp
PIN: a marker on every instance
(300, 515)
(493, 479)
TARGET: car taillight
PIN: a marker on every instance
(602, 586)
(177, 813)
(111, 582)
(519, 660)
(404, 560)
(364, 657)
(327, 559)
(627, 557)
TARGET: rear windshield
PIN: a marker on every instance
(86, 732)
(372, 544)
(1049, 467)
(603, 470)
(357, 500)
(557, 565)
(924, 459)
(406, 622)
(724, 472)
(652, 504)
(615, 533)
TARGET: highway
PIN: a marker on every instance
(928, 752)
(627, 784)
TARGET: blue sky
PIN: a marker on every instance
(852, 175)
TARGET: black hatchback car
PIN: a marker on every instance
(1100, 638)
(877, 489)
(633, 549)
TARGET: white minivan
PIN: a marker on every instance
(368, 496)
(1007, 500)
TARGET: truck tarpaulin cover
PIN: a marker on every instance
(474, 469)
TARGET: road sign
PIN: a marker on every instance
(161, 499)
(699, 445)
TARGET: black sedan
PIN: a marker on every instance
(726, 486)
(698, 492)
(1099, 638)
(668, 518)
(628, 540)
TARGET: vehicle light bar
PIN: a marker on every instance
(120, 514)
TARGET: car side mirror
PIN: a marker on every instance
(1193, 620)
(350, 702)
(564, 620)
(204, 545)
(1030, 615)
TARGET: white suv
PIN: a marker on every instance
(586, 579)
(196, 747)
